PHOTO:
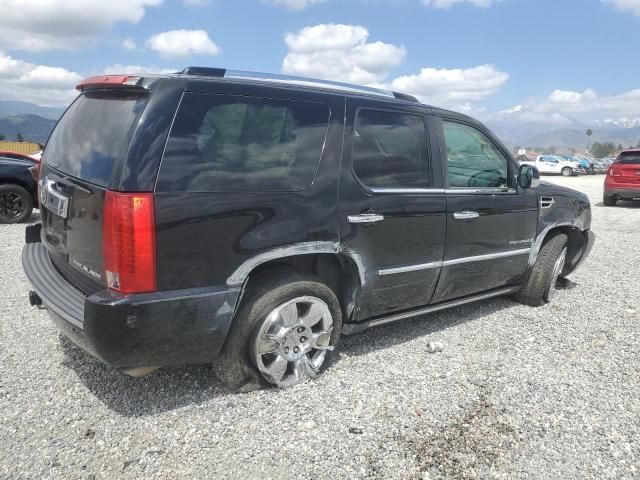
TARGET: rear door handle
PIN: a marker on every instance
(365, 218)
(465, 215)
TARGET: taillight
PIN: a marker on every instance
(613, 171)
(129, 242)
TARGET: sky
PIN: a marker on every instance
(552, 61)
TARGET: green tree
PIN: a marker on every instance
(552, 150)
(19, 138)
(2, 137)
(601, 150)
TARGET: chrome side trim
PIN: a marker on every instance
(480, 191)
(490, 256)
(409, 268)
(351, 328)
(408, 191)
(455, 261)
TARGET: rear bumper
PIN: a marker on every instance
(621, 191)
(157, 329)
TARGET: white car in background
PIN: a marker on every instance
(553, 164)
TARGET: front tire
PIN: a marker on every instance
(16, 204)
(540, 286)
(283, 333)
(567, 172)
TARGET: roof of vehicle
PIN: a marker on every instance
(629, 150)
(296, 82)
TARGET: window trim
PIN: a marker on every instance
(428, 153)
(510, 189)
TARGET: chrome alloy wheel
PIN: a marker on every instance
(557, 270)
(11, 205)
(292, 342)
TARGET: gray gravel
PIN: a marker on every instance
(517, 392)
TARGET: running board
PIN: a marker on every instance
(351, 328)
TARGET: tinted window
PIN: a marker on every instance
(221, 143)
(629, 159)
(93, 136)
(473, 160)
(390, 150)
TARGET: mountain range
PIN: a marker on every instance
(35, 123)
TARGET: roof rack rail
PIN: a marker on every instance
(292, 79)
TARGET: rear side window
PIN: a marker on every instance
(390, 150)
(223, 143)
(629, 158)
(92, 138)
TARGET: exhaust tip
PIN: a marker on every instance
(35, 300)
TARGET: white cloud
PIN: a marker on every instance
(129, 44)
(196, 3)
(340, 52)
(453, 88)
(451, 3)
(41, 84)
(136, 69)
(182, 43)
(49, 24)
(564, 107)
(295, 5)
(632, 6)
(343, 53)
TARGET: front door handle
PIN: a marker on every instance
(365, 218)
(465, 215)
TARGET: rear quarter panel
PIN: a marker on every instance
(203, 237)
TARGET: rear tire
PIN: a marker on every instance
(609, 201)
(567, 172)
(241, 368)
(16, 204)
(540, 285)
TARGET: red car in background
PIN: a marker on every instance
(623, 178)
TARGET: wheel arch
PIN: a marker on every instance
(576, 245)
(340, 271)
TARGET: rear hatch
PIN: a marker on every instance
(627, 168)
(83, 159)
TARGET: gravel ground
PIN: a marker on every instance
(552, 392)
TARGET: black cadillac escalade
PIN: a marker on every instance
(249, 220)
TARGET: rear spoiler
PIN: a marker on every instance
(111, 81)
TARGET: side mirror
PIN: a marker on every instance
(528, 177)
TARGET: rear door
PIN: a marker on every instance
(490, 224)
(392, 205)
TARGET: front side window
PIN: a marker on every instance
(390, 150)
(473, 160)
(224, 143)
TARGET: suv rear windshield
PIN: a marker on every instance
(629, 158)
(92, 138)
(225, 143)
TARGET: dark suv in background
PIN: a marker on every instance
(249, 220)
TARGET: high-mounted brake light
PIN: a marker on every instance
(129, 242)
(109, 81)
